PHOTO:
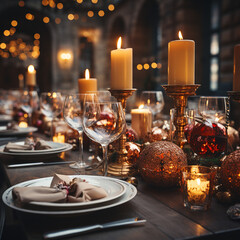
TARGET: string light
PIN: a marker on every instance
(139, 67)
(101, 13)
(70, 16)
(21, 3)
(46, 19)
(90, 13)
(14, 23)
(111, 7)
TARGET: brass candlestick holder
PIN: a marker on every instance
(180, 93)
(234, 95)
(121, 166)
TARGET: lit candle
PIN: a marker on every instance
(236, 68)
(121, 67)
(31, 76)
(181, 61)
(87, 84)
(141, 121)
(198, 190)
(21, 81)
(60, 138)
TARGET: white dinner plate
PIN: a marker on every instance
(56, 148)
(113, 188)
(20, 131)
(5, 118)
(129, 194)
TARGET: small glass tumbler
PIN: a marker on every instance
(197, 187)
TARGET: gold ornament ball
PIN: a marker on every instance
(160, 164)
(230, 172)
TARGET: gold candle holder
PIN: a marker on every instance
(121, 166)
(234, 95)
(180, 93)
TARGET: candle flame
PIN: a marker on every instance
(198, 181)
(141, 106)
(87, 74)
(23, 125)
(119, 43)
(180, 35)
(31, 69)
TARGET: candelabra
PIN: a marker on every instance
(180, 93)
(121, 166)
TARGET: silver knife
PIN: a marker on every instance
(37, 164)
(91, 228)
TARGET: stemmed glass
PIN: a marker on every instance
(208, 137)
(154, 101)
(103, 122)
(72, 112)
(28, 102)
(51, 106)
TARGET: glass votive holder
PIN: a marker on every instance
(197, 187)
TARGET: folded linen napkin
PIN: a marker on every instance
(13, 146)
(62, 189)
(41, 145)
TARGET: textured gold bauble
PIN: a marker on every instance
(230, 172)
(160, 163)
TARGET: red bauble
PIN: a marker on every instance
(208, 139)
(131, 135)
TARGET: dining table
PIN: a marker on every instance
(162, 208)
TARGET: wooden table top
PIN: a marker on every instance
(162, 208)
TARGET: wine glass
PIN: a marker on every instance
(154, 101)
(29, 102)
(72, 112)
(51, 106)
(104, 122)
(208, 137)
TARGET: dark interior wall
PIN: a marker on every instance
(10, 70)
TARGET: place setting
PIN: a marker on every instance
(50, 196)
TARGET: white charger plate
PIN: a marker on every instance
(129, 194)
(56, 149)
(20, 131)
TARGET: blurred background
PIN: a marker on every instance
(62, 38)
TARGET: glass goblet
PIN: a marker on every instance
(154, 101)
(72, 112)
(208, 137)
(104, 122)
(29, 102)
(51, 106)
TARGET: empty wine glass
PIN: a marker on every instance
(72, 112)
(154, 101)
(51, 106)
(103, 122)
(29, 102)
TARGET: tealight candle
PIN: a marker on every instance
(121, 67)
(181, 61)
(197, 190)
(141, 121)
(60, 138)
(87, 84)
(197, 186)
